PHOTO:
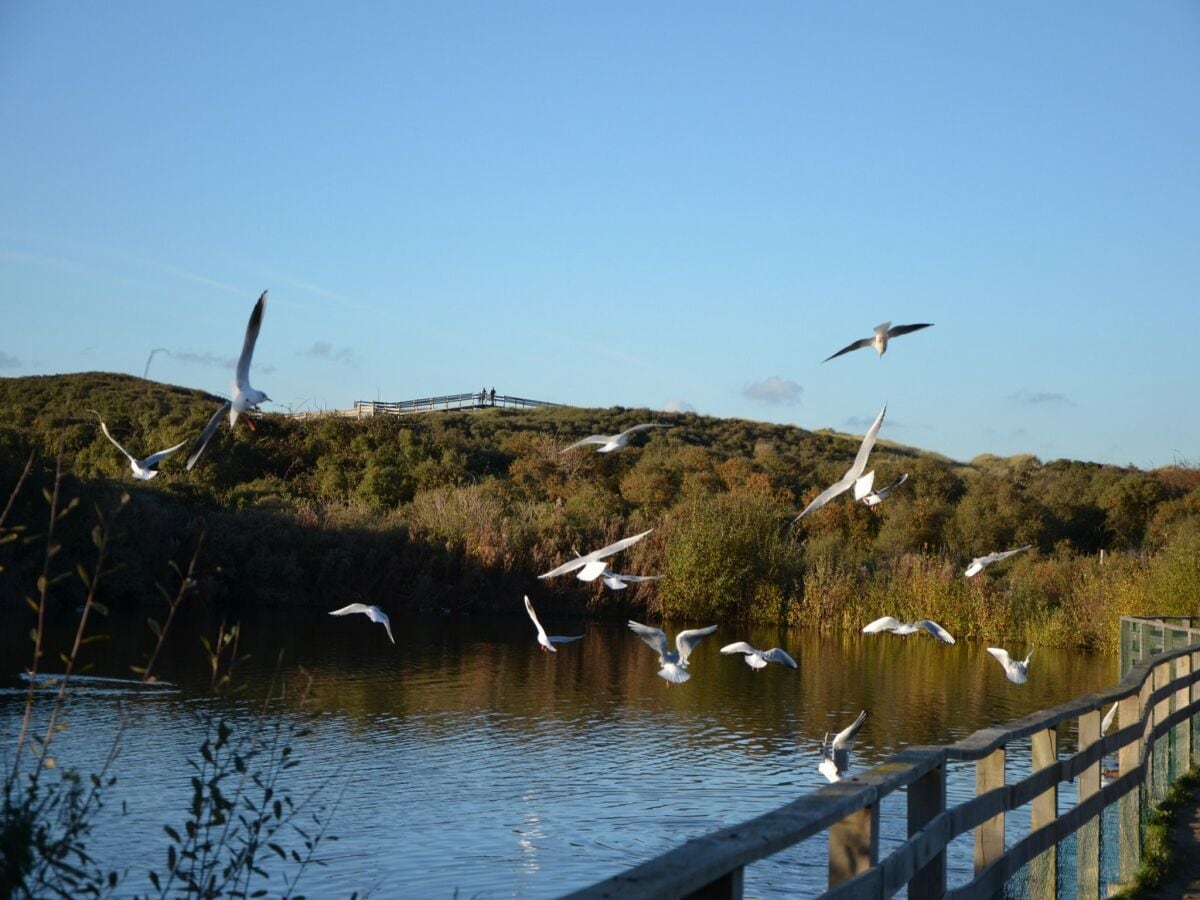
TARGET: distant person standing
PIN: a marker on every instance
(493, 396)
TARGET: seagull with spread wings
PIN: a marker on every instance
(674, 662)
(547, 641)
(853, 474)
(374, 613)
(895, 626)
(610, 442)
(592, 565)
(143, 469)
(1015, 671)
(835, 756)
(883, 333)
(617, 581)
(758, 659)
(979, 563)
(864, 489)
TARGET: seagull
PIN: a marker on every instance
(206, 435)
(883, 333)
(546, 641)
(674, 662)
(853, 474)
(864, 489)
(1016, 672)
(244, 396)
(593, 564)
(895, 626)
(374, 613)
(143, 469)
(758, 659)
(835, 757)
(611, 442)
(1107, 721)
(979, 563)
(618, 582)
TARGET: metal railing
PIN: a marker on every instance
(476, 400)
(1156, 740)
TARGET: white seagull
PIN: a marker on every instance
(611, 442)
(883, 333)
(674, 662)
(374, 613)
(143, 469)
(1107, 721)
(244, 396)
(618, 582)
(547, 641)
(979, 563)
(592, 564)
(1016, 672)
(206, 435)
(758, 659)
(864, 489)
(852, 475)
(895, 626)
(835, 757)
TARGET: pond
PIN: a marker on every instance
(464, 762)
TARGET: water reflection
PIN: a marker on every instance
(466, 760)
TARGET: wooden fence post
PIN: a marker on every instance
(854, 844)
(989, 837)
(1161, 774)
(1087, 845)
(1183, 731)
(1130, 841)
(1043, 870)
(926, 799)
(1195, 721)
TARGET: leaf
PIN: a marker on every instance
(275, 848)
(155, 628)
(70, 506)
(100, 608)
(31, 603)
(97, 536)
(172, 833)
(50, 762)
(154, 880)
(84, 576)
(171, 857)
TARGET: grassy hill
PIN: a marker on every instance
(449, 510)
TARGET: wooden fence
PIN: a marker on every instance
(1155, 740)
(477, 400)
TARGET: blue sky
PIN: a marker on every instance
(623, 204)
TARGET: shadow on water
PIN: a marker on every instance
(471, 761)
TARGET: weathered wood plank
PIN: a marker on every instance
(1043, 868)
(1087, 847)
(989, 836)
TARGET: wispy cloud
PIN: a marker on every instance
(201, 279)
(213, 361)
(862, 423)
(1040, 397)
(775, 391)
(326, 351)
(678, 406)
(9, 362)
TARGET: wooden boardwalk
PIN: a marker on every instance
(1156, 741)
(444, 403)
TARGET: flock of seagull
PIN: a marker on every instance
(835, 753)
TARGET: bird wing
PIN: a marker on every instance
(883, 328)
(779, 655)
(615, 582)
(857, 345)
(1107, 721)
(559, 639)
(906, 329)
(1001, 655)
(828, 768)
(845, 737)
(154, 460)
(1028, 657)
(352, 608)
(686, 641)
(104, 428)
(936, 630)
(536, 624)
(655, 637)
(603, 552)
(635, 577)
(206, 435)
(895, 484)
(864, 450)
(825, 496)
(590, 439)
(739, 647)
(863, 485)
(887, 623)
(375, 614)
(242, 375)
(592, 570)
(642, 426)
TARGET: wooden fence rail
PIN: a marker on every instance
(1158, 712)
(476, 400)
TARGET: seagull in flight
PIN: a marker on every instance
(610, 442)
(547, 641)
(674, 662)
(835, 757)
(979, 563)
(592, 564)
(758, 659)
(853, 474)
(895, 626)
(1016, 672)
(618, 582)
(864, 489)
(1107, 721)
(143, 469)
(374, 613)
(883, 333)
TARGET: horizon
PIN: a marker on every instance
(671, 208)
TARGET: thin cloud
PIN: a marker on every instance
(213, 361)
(9, 362)
(862, 423)
(775, 391)
(326, 351)
(678, 406)
(1038, 398)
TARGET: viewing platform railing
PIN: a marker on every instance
(477, 400)
(1156, 739)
